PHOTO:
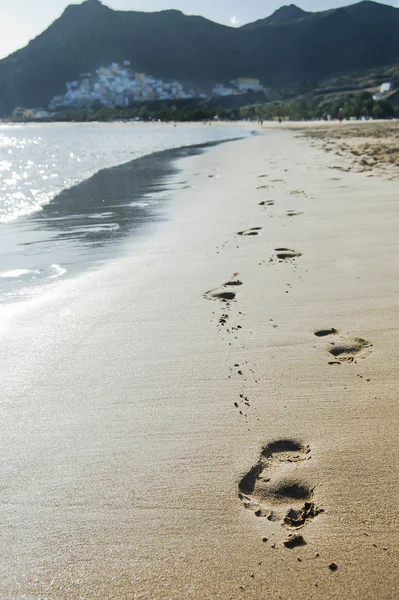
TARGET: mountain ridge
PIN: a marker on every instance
(284, 14)
(286, 48)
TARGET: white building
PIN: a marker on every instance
(117, 85)
(385, 88)
(246, 84)
(220, 90)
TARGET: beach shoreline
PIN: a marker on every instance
(86, 224)
(175, 407)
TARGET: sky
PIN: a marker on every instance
(22, 20)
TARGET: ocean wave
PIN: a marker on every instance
(38, 162)
(18, 273)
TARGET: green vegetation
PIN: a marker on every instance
(143, 113)
(356, 106)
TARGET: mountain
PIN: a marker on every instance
(282, 50)
(287, 13)
(284, 14)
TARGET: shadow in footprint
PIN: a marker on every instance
(351, 349)
(274, 488)
(294, 213)
(345, 349)
(224, 293)
(287, 253)
(326, 332)
(252, 231)
(266, 203)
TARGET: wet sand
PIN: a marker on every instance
(86, 225)
(215, 416)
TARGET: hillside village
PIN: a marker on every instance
(118, 88)
(117, 85)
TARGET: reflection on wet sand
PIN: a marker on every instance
(86, 223)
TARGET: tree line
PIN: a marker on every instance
(357, 106)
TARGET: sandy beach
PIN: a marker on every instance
(215, 415)
(369, 147)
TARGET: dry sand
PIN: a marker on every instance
(371, 146)
(162, 439)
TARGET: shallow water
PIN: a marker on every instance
(39, 161)
(70, 194)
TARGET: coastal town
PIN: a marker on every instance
(117, 85)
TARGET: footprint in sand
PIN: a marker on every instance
(326, 332)
(294, 213)
(252, 231)
(266, 203)
(350, 349)
(287, 254)
(224, 293)
(275, 487)
(345, 349)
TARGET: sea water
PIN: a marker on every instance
(71, 193)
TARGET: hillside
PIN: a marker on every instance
(289, 48)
